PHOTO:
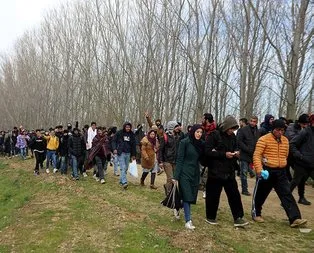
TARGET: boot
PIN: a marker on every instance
(152, 181)
(144, 175)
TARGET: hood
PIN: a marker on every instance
(229, 122)
(171, 125)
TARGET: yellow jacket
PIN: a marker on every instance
(52, 142)
(270, 152)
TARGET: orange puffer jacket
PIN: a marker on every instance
(270, 152)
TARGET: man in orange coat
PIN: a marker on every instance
(270, 160)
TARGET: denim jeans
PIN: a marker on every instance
(115, 164)
(187, 211)
(64, 164)
(244, 170)
(74, 166)
(23, 153)
(51, 155)
(124, 161)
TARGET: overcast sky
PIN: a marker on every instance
(16, 16)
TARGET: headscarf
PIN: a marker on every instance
(198, 144)
(151, 140)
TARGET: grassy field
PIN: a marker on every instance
(52, 213)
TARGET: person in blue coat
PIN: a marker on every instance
(187, 172)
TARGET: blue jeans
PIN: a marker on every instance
(64, 164)
(115, 164)
(187, 211)
(51, 155)
(124, 161)
(23, 153)
(244, 170)
(74, 166)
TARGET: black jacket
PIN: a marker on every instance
(216, 146)
(168, 147)
(38, 144)
(63, 145)
(246, 141)
(76, 145)
(124, 142)
(302, 148)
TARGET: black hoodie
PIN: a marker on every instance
(124, 142)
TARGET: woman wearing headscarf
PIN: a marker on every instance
(187, 173)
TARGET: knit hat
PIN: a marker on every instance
(278, 123)
(229, 122)
(304, 119)
(172, 125)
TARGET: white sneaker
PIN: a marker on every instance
(84, 174)
(94, 176)
(102, 181)
(176, 213)
(55, 170)
(189, 225)
(47, 171)
(97, 179)
(204, 194)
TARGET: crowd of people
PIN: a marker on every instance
(207, 156)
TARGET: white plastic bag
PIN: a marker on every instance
(133, 169)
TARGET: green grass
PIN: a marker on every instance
(51, 213)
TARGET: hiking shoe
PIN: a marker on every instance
(84, 174)
(298, 223)
(204, 194)
(240, 222)
(246, 193)
(258, 219)
(211, 221)
(47, 171)
(189, 225)
(304, 201)
(153, 187)
(55, 170)
(125, 186)
(176, 214)
(102, 181)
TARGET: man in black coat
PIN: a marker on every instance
(302, 149)
(246, 140)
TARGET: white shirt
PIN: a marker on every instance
(90, 136)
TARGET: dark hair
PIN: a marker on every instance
(38, 130)
(244, 120)
(93, 123)
(209, 117)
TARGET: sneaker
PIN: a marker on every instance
(102, 181)
(84, 174)
(176, 213)
(246, 193)
(95, 176)
(55, 170)
(97, 179)
(189, 225)
(240, 222)
(211, 221)
(204, 194)
(153, 187)
(36, 173)
(258, 219)
(47, 171)
(117, 174)
(304, 201)
(298, 223)
(125, 186)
